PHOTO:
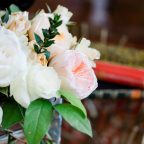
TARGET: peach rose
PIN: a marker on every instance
(63, 42)
(75, 72)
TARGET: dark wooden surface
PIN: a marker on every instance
(122, 17)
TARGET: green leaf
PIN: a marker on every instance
(48, 43)
(36, 48)
(58, 24)
(74, 100)
(74, 117)
(4, 90)
(47, 54)
(37, 121)
(56, 17)
(5, 17)
(45, 32)
(12, 114)
(13, 8)
(38, 39)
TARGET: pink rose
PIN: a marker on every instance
(75, 72)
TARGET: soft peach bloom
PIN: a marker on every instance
(33, 57)
(39, 22)
(76, 74)
(18, 22)
(42, 59)
(63, 42)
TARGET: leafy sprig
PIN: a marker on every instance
(49, 34)
(12, 9)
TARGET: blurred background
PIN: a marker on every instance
(116, 29)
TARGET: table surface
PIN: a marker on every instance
(122, 18)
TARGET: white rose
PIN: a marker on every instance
(39, 22)
(18, 22)
(43, 82)
(1, 115)
(65, 14)
(38, 82)
(91, 53)
(12, 58)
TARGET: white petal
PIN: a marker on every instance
(65, 14)
(91, 53)
(43, 82)
(18, 89)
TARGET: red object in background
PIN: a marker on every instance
(120, 74)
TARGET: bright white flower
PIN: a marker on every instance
(65, 14)
(12, 58)
(43, 82)
(39, 22)
(38, 82)
(63, 42)
(18, 89)
(75, 72)
(84, 47)
(18, 22)
(1, 115)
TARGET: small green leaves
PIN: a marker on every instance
(4, 90)
(38, 39)
(13, 8)
(12, 114)
(75, 118)
(47, 54)
(36, 48)
(45, 32)
(5, 17)
(49, 35)
(37, 121)
(48, 43)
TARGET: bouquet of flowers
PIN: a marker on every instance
(39, 61)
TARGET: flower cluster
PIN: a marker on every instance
(40, 58)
